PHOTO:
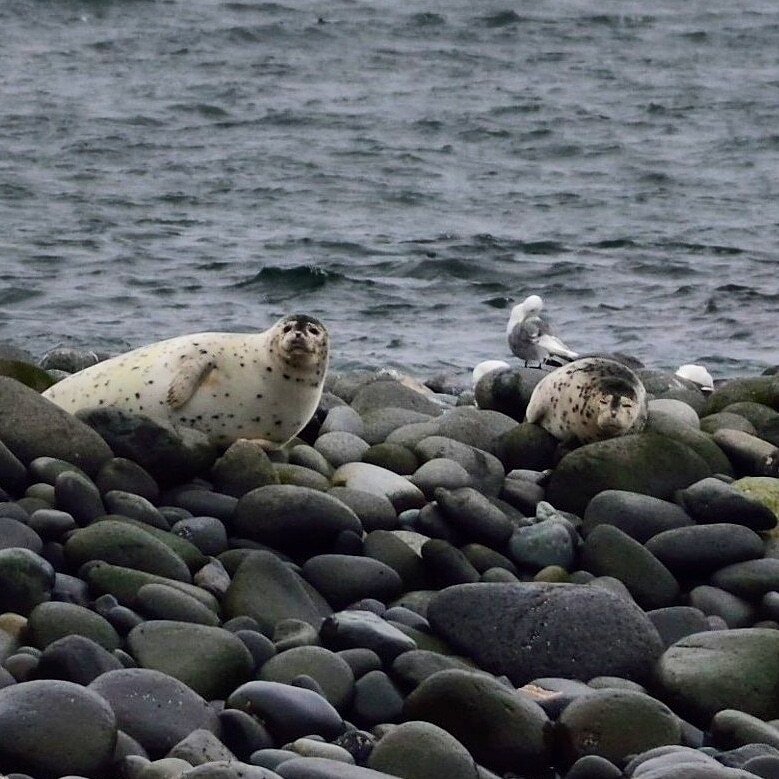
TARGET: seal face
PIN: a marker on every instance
(589, 400)
(263, 386)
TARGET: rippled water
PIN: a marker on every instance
(405, 171)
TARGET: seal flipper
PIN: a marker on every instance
(191, 374)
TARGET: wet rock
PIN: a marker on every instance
(485, 470)
(78, 495)
(125, 475)
(32, 426)
(758, 389)
(537, 546)
(500, 727)
(375, 512)
(17, 534)
(76, 659)
(675, 622)
(199, 747)
(392, 394)
(616, 724)
(208, 534)
(160, 601)
(210, 661)
(539, 630)
(478, 427)
(125, 545)
(170, 455)
(295, 519)
(640, 516)
(750, 580)
(322, 768)
(721, 669)
(267, 590)
(440, 473)
(49, 622)
(394, 457)
(344, 579)
(155, 709)
(608, 551)
(474, 516)
(376, 700)
(288, 712)
(527, 446)
(351, 629)
(76, 725)
(389, 548)
(242, 468)
(341, 448)
(647, 463)
(379, 481)
(25, 580)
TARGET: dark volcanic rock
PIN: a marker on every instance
(32, 426)
(500, 727)
(527, 631)
(153, 708)
(647, 463)
(55, 728)
(295, 519)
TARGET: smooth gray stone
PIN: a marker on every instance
(159, 601)
(421, 750)
(155, 709)
(640, 516)
(440, 473)
(392, 394)
(48, 622)
(721, 669)
(731, 729)
(136, 507)
(607, 551)
(205, 503)
(122, 474)
(446, 564)
(16, 534)
(32, 426)
(228, 769)
(376, 512)
(539, 630)
(76, 725)
(626, 723)
(208, 534)
(267, 590)
(701, 549)
(376, 700)
(750, 580)
(329, 669)
(242, 468)
(675, 622)
(26, 580)
(51, 524)
(299, 520)
(412, 668)
(342, 419)
(712, 501)
(322, 768)
(201, 746)
(209, 660)
(288, 712)
(713, 601)
(351, 629)
(339, 448)
(78, 495)
(345, 579)
(500, 727)
(537, 546)
(473, 515)
(486, 471)
(75, 659)
(477, 427)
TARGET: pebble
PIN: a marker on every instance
(400, 492)
(25, 580)
(76, 659)
(344, 579)
(376, 700)
(352, 629)
(49, 622)
(375, 512)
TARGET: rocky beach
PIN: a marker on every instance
(421, 585)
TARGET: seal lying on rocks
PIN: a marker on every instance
(263, 386)
(589, 400)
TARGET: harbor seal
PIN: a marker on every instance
(260, 386)
(530, 335)
(588, 400)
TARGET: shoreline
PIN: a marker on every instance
(416, 587)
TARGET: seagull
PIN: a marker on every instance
(487, 366)
(529, 334)
(697, 374)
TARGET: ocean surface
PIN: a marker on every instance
(406, 171)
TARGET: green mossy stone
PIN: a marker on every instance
(51, 621)
(647, 463)
(764, 489)
(209, 660)
(127, 545)
(756, 389)
(700, 442)
(30, 375)
(124, 583)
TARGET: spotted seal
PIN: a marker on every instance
(261, 386)
(588, 400)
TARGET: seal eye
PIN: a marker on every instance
(287, 328)
(313, 330)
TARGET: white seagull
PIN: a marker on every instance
(529, 335)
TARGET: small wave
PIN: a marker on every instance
(614, 243)
(428, 19)
(290, 280)
(501, 19)
(13, 294)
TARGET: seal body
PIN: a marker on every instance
(530, 336)
(588, 400)
(263, 386)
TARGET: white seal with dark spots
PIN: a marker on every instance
(262, 386)
(588, 400)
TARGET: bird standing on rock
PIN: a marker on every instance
(529, 334)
